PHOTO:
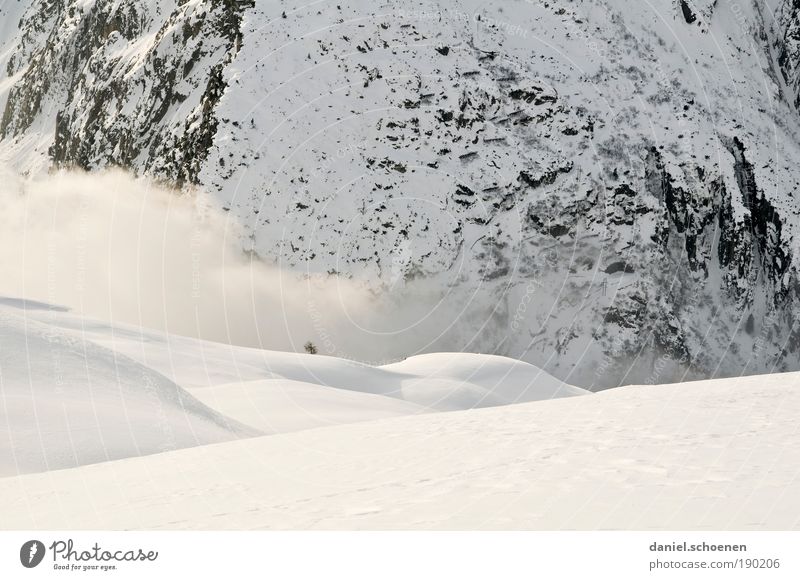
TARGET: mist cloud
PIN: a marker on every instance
(121, 249)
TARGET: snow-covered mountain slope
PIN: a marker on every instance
(715, 455)
(75, 391)
(607, 187)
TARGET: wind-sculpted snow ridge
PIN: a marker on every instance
(65, 401)
(695, 456)
(607, 187)
(76, 391)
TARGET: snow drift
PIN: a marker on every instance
(77, 391)
(701, 456)
(67, 401)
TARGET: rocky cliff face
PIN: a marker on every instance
(608, 189)
(786, 45)
(131, 84)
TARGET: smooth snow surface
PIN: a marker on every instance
(707, 455)
(65, 401)
(137, 429)
(76, 391)
(281, 406)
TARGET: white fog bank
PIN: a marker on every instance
(121, 249)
